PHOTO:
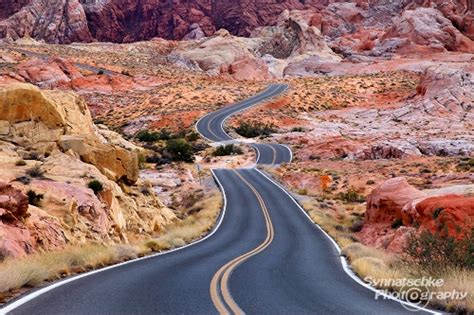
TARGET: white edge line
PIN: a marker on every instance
(289, 149)
(344, 262)
(223, 108)
(267, 98)
(27, 298)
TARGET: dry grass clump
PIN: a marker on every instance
(461, 281)
(201, 220)
(336, 227)
(34, 269)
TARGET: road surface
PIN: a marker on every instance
(211, 127)
(264, 257)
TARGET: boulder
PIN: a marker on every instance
(385, 203)
(451, 214)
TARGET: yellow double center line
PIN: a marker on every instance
(220, 293)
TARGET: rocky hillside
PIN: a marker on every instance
(126, 21)
(65, 180)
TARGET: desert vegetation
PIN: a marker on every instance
(254, 129)
(35, 269)
(425, 254)
(228, 149)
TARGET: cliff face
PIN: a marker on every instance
(127, 21)
(62, 22)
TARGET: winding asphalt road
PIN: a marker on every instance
(264, 257)
(211, 127)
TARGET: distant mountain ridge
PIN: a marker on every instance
(66, 21)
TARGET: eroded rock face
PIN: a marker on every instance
(424, 29)
(52, 132)
(48, 119)
(126, 21)
(13, 202)
(65, 23)
(396, 209)
(386, 202)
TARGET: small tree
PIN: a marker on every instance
(180, 150)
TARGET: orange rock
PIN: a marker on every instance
(387, 200)
(453, 214)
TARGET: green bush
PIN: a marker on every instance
(254, 129)
(228, 149)
(350, 196)
(34, 199)
(96, 186)
(180, 150)
(153, 136)
(436, 252)
(192, 136)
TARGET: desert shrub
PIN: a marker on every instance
(436, 252)
(466, 164)
(96, 186)
(254, 129)
(141, 161)
(20, 163)
(228, 149)
(152, 136)
(180, 150)
(397, 223)
(350, 196)
(370, 182)
(34, 199)
(297, 129)
(35, 171)
(356, 226)
(192, 136)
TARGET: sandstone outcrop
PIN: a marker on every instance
(47, 119)
(424, 29)
(60, 152)
(386, 202)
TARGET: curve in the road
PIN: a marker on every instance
(264, 257)
(329, 288)
(220, 293)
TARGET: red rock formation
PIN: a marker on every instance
(395, 203)
(13, 202)
(125, 21)
(10, 7)
(386, 201)
(63, 22)
(453, 214)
